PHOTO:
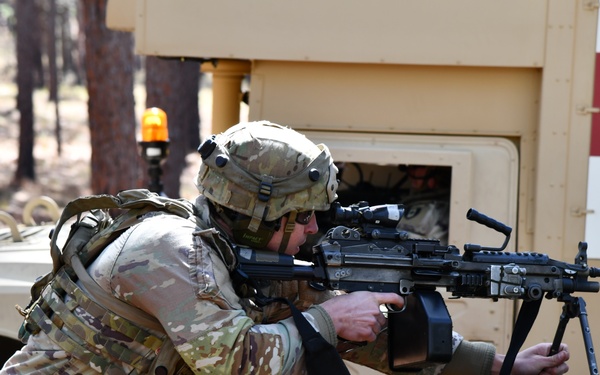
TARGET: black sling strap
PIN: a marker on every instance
(527, 315)
(321, 357)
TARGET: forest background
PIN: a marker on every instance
(71, 96)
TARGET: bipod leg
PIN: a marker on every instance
(587, 336)
(566, 315)
(575, 307)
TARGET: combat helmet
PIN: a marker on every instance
(264, 171)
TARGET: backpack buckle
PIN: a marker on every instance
(264, 191)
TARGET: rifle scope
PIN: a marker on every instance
(387, 215)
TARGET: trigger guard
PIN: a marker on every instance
(392, 309)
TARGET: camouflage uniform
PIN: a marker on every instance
(427, 205)
(180, 273)
(177, 273)
(426, 219)
(469, 358)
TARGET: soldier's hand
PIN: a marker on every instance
(357, 316)
(535, 360)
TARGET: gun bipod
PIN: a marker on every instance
(574, 307)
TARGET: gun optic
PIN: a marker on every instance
(387, 215)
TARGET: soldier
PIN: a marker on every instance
(427, 202)
(260, 184)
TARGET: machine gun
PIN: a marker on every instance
(366, 252)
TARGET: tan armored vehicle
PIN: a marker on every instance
(500, 92)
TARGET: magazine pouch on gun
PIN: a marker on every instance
(421, 334)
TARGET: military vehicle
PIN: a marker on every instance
(500, 92)
(24, 256)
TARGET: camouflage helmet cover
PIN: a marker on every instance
(264, 170)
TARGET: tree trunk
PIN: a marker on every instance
(69, 46)
(53, 72)
(80, 49)
(51, 46)
(173, 85)
(26, 16)
(39, 27)
(116, 164)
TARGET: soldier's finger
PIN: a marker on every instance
(390, 299)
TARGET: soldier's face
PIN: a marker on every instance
(420, 178)
(297, 238)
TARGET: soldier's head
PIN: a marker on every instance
(266, 180)
(427, 177)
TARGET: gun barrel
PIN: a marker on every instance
(594, 272)
(307, 273)
(271, 272)
(571, 286)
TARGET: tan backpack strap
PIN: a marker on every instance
(112, 303)
(127, 199)
(78, 255)
(168, 358)
(77, 207)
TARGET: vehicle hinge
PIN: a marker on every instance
(587, 110)
(591, 5)
(581, 212)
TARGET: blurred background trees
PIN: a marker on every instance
(109, 66)
(173, 85)
(66, 42)
(27, 41)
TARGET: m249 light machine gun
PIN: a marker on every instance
(366, 252)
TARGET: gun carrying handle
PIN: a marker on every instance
(480, 218)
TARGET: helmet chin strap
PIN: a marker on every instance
(287, 231)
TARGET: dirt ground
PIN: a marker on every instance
(61, 178)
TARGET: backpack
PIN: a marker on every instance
(88, 236)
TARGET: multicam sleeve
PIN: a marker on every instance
(471, 358)
(474, 357)
(168, 271)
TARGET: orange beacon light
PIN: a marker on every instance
(154, 144)
(154, 125)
